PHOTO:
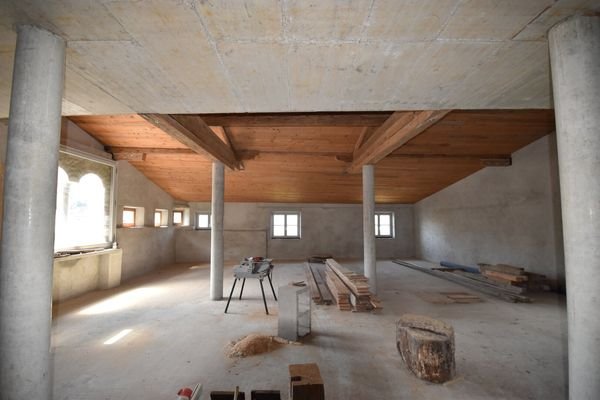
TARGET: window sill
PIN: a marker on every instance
(286, 237)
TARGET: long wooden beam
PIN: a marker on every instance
(192, 131)
(139, 153)
(398, 129)
(296, 119)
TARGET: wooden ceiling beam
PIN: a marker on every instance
(398, 129)
(192, 131)
(295, 119)
(139, 153)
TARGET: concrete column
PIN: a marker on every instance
(216, 230)
(29, 208)
(368, 177)
(575, 62)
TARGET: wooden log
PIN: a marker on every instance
(427, 347)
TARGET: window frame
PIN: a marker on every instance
(203, 228)
(112, 191)
(173, 217)
(131, 225)
(392, 234)
(285, 214)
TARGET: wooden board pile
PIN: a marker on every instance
(334, 283)
(479, 282)
(515, 276)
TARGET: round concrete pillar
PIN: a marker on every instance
(29, 210)
(370, 261)
(575, 62)
(216, 236)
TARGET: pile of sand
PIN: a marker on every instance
(252, 344)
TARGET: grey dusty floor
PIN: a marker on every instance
(503, 351)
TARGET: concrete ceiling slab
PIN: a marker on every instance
(225, 56)
(492, 19)
(328, 20)
(173, 38)
(409, 20)
(72, 19)
(256, 20)
(267, 74)
(561, 9)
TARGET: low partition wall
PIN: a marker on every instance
(81, 273)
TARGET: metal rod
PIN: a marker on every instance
(230, 294)
(242, 291)
(263, 294)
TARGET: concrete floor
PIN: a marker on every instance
(503, 350)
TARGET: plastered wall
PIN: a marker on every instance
(145, 248)
(326, 228)
(505, 215)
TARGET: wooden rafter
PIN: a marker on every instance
(398, 129)
(192, 131)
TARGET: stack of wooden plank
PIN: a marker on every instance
(479, 282)
(319, 291)
(332, 283)
(340, 292)
(359, 294)
(504, 273)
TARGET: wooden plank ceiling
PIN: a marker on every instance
(308, 157)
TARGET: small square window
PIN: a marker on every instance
(203, 220)
(177, 217)
(384, 224)
(161, 217)
(128, 217)
(286, 225)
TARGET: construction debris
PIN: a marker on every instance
(255, 344)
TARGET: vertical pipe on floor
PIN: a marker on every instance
(29, 211)
(575, 62)
(370, 261)
(216, 237)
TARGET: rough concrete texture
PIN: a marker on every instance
(308, 56)
(503, 215)
(217, 214)
(29, 209)
(575, 55)
(78, 274)
(145, 248)
(178, 338)
(326, 229)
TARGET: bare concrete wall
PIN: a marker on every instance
(326, 228)
(145, 248)
(498, 215)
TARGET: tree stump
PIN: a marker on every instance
(427, 347)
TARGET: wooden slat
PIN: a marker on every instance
(196, 135)
(297, 119)
(397, 130)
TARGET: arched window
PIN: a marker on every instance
(84, 210)
(62, 205)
